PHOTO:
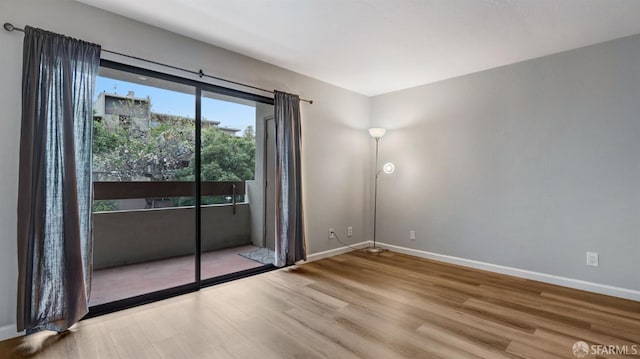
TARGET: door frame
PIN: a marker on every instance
(198, 282)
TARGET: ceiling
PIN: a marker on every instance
(378, 46)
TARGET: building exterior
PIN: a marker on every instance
(135, 112)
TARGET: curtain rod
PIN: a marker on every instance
(9, 27)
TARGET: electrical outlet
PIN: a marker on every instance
(332, 233)
(592, 259)
(412, 235)
(349, 231)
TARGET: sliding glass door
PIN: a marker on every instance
(144, 133)
(179, 198)
(231, 203)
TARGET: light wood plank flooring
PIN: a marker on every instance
(355, 305)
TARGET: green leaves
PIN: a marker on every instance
(137, 151)
(226, 157)
(164, 150)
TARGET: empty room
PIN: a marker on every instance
(320, 179)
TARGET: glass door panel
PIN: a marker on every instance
(232, 174)
(144, 185)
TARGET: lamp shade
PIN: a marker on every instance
(377, 132)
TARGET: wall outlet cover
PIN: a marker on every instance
(592, 259)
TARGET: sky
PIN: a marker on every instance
(229, 114)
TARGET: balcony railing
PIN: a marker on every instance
(141, 235)
(127, 190)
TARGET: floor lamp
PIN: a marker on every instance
(388, 168)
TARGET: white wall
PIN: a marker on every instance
(528, 166)
(334, 127)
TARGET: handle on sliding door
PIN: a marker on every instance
(233, 195)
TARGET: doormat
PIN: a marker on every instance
(260, 255)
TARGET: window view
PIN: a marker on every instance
(144, 133)
(152, 138)
(144, 172)
(228, 152)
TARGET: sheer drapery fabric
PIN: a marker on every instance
(55, 187)
(290, 241)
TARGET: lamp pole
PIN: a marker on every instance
(375, 249)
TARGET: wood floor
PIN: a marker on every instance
(356, 305)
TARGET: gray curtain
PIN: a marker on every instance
(55, 192)
(290, 242)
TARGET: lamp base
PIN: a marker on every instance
(375, 250)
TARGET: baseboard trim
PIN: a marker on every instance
(9, 331)
(336, 251)
(522, 273)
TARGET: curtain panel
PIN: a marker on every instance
(55, 192)
(290, 241)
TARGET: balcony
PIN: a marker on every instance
(138, 251)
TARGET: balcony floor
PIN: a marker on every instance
(130, 280)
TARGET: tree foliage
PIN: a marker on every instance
(223, 157)
(131, 154)
(166, 152)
